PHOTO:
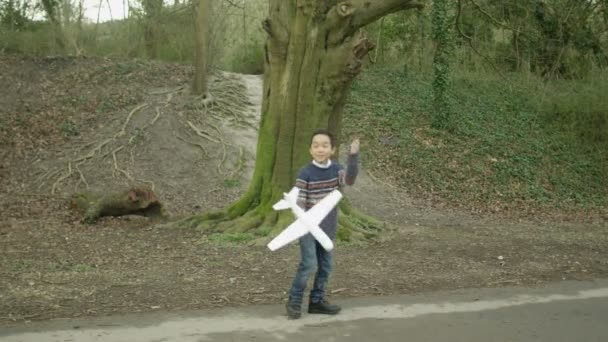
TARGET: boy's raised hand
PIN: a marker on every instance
(354, 146)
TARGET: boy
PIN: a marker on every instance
(316, 180)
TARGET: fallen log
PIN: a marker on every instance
(134, 201)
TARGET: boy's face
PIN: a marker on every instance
(321, 149)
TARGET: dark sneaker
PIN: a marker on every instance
(294, 311)
(323, 307)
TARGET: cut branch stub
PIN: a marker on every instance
(275, 31)
(360, 50)
(345, 9)
(267, 27)
(363, 46)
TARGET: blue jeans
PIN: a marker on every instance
(313, 256)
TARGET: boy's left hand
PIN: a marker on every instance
(354, 146)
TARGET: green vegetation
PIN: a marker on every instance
(21, 266)
(232, 182)
(106, 105)
(518, 143)
(237, 41)
(68, 128)
(506, 110)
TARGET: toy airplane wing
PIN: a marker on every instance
(317, 213)
(306, 222)
(295, 231)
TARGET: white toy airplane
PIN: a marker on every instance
(306, 221)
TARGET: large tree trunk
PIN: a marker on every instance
(314, 49)
(199, 84)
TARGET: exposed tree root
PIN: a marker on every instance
(168, 91)
(202, 133)
(355, 225)
(260, 221)
(82, 178)
(228, 102)
(111, 146)
(224, 152)
(207, 100)
(62, 178)
(124, 126)
(240, 163)
(225, 107)
(156, 117)
(195, 144)
(117, 169)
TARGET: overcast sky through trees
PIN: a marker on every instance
(117, 7)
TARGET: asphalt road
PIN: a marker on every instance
(566, 311)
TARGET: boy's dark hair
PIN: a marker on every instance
(323, 131)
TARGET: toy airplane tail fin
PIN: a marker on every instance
(281, 205)
(289, 200)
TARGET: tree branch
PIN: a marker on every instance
(366, 11)
(361, 48)
(491, 18)
(231, 3)
(470, 40)
(346, 17)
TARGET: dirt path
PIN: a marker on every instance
(53, 266)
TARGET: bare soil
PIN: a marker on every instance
(70, 124)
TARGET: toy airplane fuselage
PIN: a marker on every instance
(306, 221)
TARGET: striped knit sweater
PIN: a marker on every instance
(316, 181)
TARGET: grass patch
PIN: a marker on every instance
(231, 238)
(232, 182)
(21, 266)
(105, 106)
(263, 231)
(68, 128)
(503, 153)
(66, 266)
(577, 110)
